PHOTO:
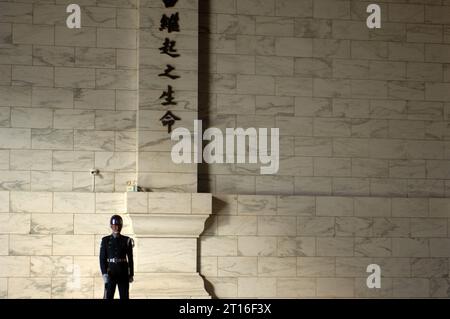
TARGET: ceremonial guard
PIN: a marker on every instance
(116, 260)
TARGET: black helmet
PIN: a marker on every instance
(116, 220)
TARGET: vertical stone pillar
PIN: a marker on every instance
(162, 46)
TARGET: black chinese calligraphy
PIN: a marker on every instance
(169, 48)
(170, 23)
(170, 3)
(168, 96)
(167, 71)
(168, 120)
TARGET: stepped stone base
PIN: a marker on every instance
(167, 227)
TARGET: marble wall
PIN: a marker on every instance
(361, 112)
(251, 246)
(261, 246)
(364, 170)
(68, 97)
(156, 170)
(51, 242)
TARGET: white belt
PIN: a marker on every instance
(116, 260)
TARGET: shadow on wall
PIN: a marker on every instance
(219, 206)
(204, 182)
(209, 287)
(210, 223)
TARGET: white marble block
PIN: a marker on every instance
(166, 255)
(166, 227)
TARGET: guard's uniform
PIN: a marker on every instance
(116, 260)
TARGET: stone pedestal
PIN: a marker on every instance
(166, 228)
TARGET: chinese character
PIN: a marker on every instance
(171, 24)
(168, 96)
(168, 48)
(169, 3)
(167, 72)
(168, 120)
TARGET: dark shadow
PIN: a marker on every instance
(218, 205)
(209, 287)
(210, 229)
(204, 185)
(210, 223)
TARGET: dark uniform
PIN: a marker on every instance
(116, 260)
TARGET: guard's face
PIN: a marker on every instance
(115, 229)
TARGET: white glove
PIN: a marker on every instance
(105, 278)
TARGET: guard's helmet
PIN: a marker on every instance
(116, 220)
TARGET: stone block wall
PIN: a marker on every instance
(253, 246)
(51, 241)
(364, 169)
(156, 170)
(361, 112)
(261, 246)
(68, 97)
